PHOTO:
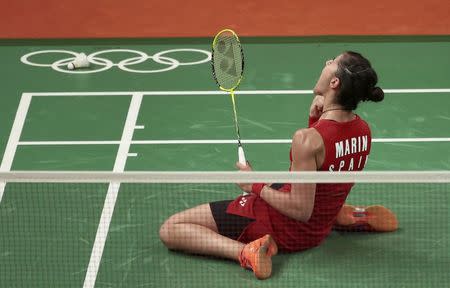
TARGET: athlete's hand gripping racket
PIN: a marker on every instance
(228, 67)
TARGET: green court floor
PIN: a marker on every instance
(77, 122)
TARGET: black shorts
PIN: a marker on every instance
(229, 225)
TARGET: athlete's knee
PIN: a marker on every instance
(166, 230)
(164, 233)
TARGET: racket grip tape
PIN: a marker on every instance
(241, 155)
(242, 160)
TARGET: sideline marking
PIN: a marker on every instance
(14, 137)
(113, 191)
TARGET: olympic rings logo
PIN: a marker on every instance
(105, 64)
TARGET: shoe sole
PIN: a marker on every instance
(264, 258)
(381, 219)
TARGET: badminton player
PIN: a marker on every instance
(295, 217)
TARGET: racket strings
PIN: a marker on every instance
(227, 60)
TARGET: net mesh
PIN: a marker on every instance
(55, 228)
(227, 61)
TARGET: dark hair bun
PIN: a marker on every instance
(377, 95)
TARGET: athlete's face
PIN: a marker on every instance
(328, 80)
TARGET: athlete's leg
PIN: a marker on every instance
(195, 231)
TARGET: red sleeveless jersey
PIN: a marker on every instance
(347, 146)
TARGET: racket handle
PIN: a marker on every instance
(241, 155)
(242, 160)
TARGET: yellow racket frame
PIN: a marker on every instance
(230, 90)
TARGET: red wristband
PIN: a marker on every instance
(257, 188)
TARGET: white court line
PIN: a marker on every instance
(62, 143)
(397, 140)
(14, 137)
(113, 191)
(216, 92)
(224, 141)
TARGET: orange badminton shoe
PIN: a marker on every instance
(375, 218)
(257, 255)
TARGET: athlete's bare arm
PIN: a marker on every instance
(299, 203)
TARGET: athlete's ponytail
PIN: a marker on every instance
(357, 81)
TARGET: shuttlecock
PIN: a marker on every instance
(80, 61)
